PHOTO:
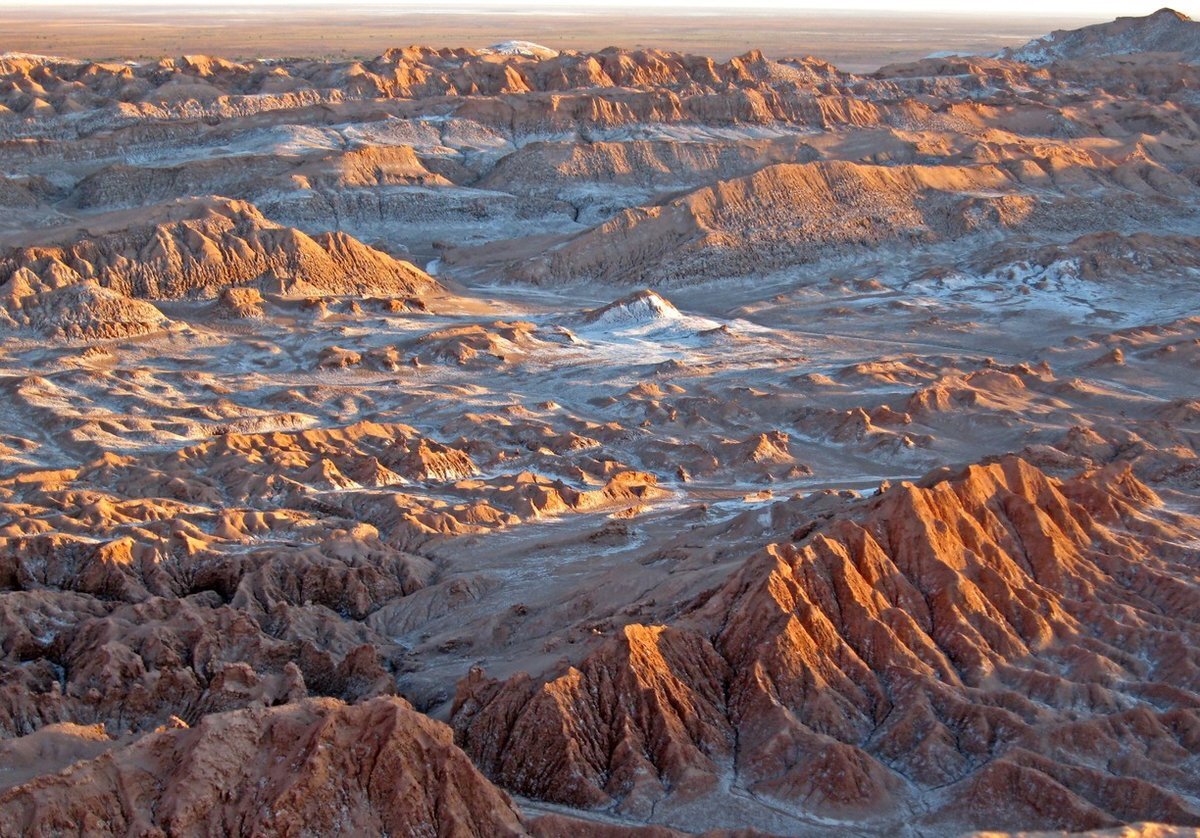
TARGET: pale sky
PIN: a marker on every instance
(1094, 9)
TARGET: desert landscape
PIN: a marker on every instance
(859, 40)
(539, 440)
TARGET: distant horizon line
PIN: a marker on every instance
(698, 8)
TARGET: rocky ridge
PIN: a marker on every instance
(653, 566)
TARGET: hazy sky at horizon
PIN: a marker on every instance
(1093, 9)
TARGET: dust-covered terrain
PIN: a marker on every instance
(854, 39)
(525, 442)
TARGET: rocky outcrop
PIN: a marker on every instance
(79, 311)
(555, 167)
(316, 767)
(299, 477)
(202, 247)
(949, 634)
(645, 714)
(784, 214)
(45, 88)
(1166, 31)
(123, 185)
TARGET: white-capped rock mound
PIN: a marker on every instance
(637, 309)
(1166, 32)
(525, 48)
(202, 247)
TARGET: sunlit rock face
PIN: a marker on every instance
(534, 442)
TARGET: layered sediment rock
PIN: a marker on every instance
(994, 632)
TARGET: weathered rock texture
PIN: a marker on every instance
(1017, 641)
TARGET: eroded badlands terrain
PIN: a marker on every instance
(510, 442)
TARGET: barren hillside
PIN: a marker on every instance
(538, 441)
